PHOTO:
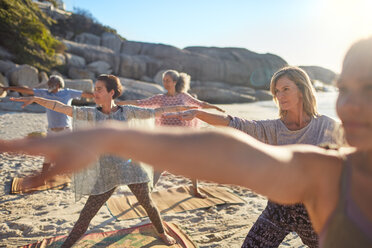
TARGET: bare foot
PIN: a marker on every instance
(198, 194)
(168, 240)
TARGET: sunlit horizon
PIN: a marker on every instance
(301, 32)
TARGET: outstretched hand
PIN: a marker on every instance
(26, 100)
(68, 153)
(187, 115)
(219, 109)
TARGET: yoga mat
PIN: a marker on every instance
(172, 200)
(135, 237)
(57, 182)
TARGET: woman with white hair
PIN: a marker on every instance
(176, 84)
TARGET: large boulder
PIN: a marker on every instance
(88, 38)
(134, 89)
(219, 95)
(6, 66)
(85, 85)
(80, 73)
(3, 83)
(99, 67)
(75, 60)
(136, 66)
(93, 53)
(263, 95)
(43, 77)
(158, 78)
(24, 75)
(236, 66)
(319, 73)
(111, 41)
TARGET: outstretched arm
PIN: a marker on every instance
(50, 104)
(87, 95)
(20, 89)
(212, 119)
(211, 106)
(286, 174)
(168, 109)
(127, 102)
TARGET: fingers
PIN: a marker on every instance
(18, 99)
(221, 110)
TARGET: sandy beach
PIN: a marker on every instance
(29, 218)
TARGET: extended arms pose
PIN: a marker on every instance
(286, 174)
(210, 118)
(67, 110)
(148, 101)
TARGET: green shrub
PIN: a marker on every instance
(24, 31)
(79, 22)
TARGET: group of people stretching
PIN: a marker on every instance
(324, 195)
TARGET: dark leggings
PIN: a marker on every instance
(276, 222)
(95, 202)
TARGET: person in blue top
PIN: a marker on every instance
(56, 90)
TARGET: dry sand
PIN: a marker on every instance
(28, 218)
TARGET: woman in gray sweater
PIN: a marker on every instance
(298, 123)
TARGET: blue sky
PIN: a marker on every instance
(303, 32)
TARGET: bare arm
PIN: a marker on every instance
(50, 104)
(87, 95)
(211, 106)
(212, 119)
(266, 169)
(127, 102)
(20, 89)
(285, 174)
(166, 109)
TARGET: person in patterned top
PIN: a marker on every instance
(176, 84)
(109, 172)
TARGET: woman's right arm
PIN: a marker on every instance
(50, 104)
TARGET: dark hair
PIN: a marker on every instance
(182, 80)
(112, 83)
(55, 79)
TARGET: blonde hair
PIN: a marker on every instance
(182, 80)
(303, 83)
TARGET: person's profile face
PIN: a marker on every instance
(354, 106)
